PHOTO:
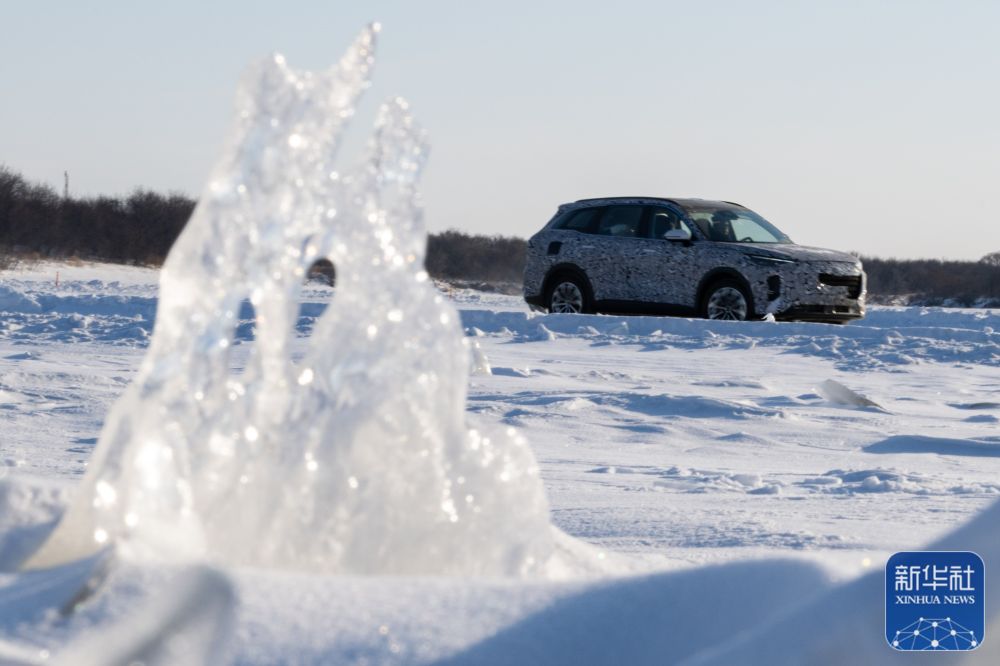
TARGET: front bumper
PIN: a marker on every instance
(816, 291)
(822, 313)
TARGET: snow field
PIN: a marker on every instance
(684, 451)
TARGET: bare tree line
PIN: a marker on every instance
(935, 282)
(140, 228)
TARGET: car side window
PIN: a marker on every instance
(581, 220)
(713, 231)
(663, 220)
(621, 222)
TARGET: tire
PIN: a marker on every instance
(727, 300)
(567, 294)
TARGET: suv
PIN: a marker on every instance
(688, 257)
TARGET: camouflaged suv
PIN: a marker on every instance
(688, 257)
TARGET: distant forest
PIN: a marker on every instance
(36, 222)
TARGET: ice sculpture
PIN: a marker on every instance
(355, 459)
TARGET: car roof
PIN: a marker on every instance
(686, 203)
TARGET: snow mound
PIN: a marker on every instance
(189, 622)
(655, 619)
(12, 300)
(356, 459)
(851, 616)
(984, 448)
(28, 512)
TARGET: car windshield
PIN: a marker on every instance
(727, 224)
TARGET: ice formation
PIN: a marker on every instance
(355, 459)
(839, 394)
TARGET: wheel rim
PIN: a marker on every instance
(727, 303)
(566, 298)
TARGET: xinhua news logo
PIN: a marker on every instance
(935, 601)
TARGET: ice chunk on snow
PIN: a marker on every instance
(480, 363)
(357, 459)
(619, 329)
(543, 334)
(839, 394)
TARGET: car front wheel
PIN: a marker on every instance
(726, 300)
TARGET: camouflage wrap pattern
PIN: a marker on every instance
(655, 271)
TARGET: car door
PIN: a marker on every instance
(572, 240)
(669, 269)
(613, 264)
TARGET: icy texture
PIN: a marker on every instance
(357, 458)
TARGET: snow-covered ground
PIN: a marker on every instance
(669, 444)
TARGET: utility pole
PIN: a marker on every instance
(65, 184)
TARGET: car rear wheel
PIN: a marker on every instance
(726, 300)
(567, 296)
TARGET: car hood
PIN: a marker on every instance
(798, 252)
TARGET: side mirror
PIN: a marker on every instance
(677, 235)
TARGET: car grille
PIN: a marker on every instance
(852, 282)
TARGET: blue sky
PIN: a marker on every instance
(867, 126)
